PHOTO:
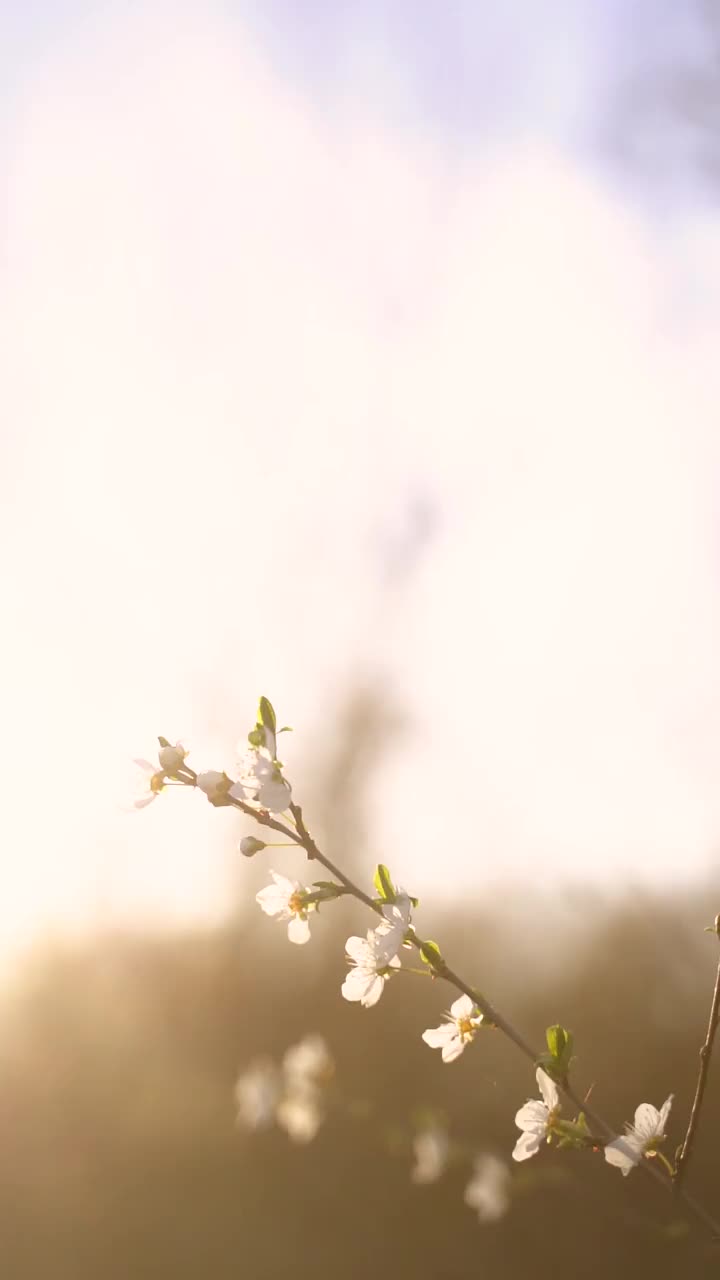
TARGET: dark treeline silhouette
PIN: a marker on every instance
(121, 1158)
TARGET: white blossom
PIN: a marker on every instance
(641, 1138)
(257, 1093)
(372, 958)
(458, 1030)
(150, 783)
(488, 1191)
(431, 1147)
(284, 899)
(262, 782)
(536, 1118)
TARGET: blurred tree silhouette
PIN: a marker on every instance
(120, 1155)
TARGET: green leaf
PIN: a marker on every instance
(287, 728)
(560, 1043)
(383, 883)
(266, 715)
(431, 954)
(557, 1038)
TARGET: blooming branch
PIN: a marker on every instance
(263, 792)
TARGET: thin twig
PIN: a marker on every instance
(705, 1054)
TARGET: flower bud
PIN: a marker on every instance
(216, 785)
(249, 846)
(171, 758)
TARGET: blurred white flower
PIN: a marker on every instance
(284, 899)
(307, 1067)
(257, 1093)
(536, 1118)
(373, 959)
(431, 1147)
(149, 784)
(262, 782)
(309, 1061)
(641, 1138)
(299, 1113)
(215, 784)
(292, 1097)
(457, 1031)
(488, 1191)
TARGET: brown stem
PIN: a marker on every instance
(705, 1054)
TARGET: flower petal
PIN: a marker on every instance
(275, 795)
(624, 1153)
(357, 949)
(532, 1117)
(142, 801)
(463, 1007)
(527, 1145)
(363, 985)
(299, 930)
(453, 1049)
(272, 900)
(548, 1089)
(438, 1037)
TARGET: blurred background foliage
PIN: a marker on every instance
(119, 1055)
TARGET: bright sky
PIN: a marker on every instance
(252, 320)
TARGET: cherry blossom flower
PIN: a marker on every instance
(641, 1139)
(261, 781)
(457, 1031)
(536, 1119)
(285, 899)
(150, 783)
(373, 960)
(488, 1189)
(431, 1147)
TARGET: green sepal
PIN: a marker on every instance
(163, 742)
(573, 1133)
(256, 737)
